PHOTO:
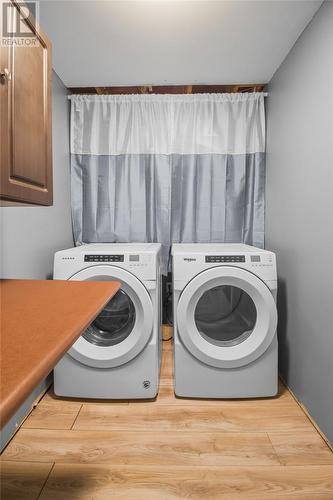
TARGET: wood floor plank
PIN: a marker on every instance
(166, 376)
(192, 418)
(141, 448)
(301, 448)
(22, 480)
(52, 417)
(102, 482)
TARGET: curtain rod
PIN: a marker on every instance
(70, 97)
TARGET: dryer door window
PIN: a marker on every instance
(225, 315)
(114, 324)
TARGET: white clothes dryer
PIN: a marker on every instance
(225, 319)
(119, 355)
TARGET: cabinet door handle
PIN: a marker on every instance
(5, 75)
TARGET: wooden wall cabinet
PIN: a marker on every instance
(26, 129)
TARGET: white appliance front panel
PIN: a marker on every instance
(244, 352)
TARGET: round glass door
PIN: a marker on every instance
(114, 324)
(123, 328)
(225, 315)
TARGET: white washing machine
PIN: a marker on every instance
(225, 318)
(119, 355)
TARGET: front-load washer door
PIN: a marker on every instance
(226, 317)
(123, 327)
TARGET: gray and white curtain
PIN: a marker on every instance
(168, 168)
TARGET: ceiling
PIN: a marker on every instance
(158, 42)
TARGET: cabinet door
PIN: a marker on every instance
(26, 149)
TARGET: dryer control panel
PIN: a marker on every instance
(224, 258)
(103, 258)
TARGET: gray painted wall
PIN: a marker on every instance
(299, 225)
(31, 235)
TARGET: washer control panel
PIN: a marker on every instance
(224, 258)
(103, 258)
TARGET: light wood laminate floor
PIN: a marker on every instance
(170, 448)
